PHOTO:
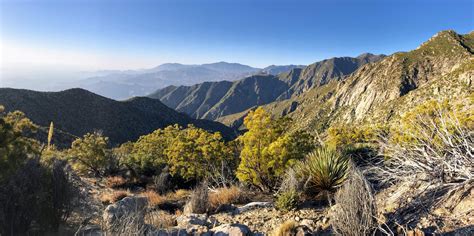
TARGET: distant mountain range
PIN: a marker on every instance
(125, 84)
(211, 100)
(77, 111)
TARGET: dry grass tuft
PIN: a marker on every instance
(355, 211)
(115, 181)
(286, 228)
(154, 199)
(160, 219)
(178, 212)
(198, 202)
(228, 195)
(180, 194)
(112, 197)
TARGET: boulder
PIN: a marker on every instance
(231, 230)
(193, 219)
(131, 209)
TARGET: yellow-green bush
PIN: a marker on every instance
(423, 120)
(341, 136)
(198, 154)
(14, 145)
(90, 154)
(190, 153)
(267, 150)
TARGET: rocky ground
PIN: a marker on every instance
(261, 218)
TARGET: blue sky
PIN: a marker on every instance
(137, 34)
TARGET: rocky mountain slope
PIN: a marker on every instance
(217, 99)
(441, 68)
(79, 111)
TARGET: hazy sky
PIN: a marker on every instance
(37, 36)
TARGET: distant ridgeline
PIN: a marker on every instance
(78, 111)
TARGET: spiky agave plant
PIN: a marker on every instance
(323, 171)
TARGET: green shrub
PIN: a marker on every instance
(14, 145)
(287, 201)
(90, 154)
(323, 171)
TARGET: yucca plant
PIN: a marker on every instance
(323, 171)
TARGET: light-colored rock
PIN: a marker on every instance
(253, 205)
(131, 209)
(231, 230)
(308, 223)
(185, 221)
(303, 231)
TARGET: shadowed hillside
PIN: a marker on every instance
(79, 111)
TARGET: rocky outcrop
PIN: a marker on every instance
(375, 85)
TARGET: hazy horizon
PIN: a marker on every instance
(51, 42)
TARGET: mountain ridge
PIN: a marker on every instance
(442, 68)
(78, 111)
(253, 90)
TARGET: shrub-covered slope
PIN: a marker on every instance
(79, 111)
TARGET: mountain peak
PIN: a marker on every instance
(447, 43)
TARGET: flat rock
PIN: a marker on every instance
(252, 205)
(231, 230)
